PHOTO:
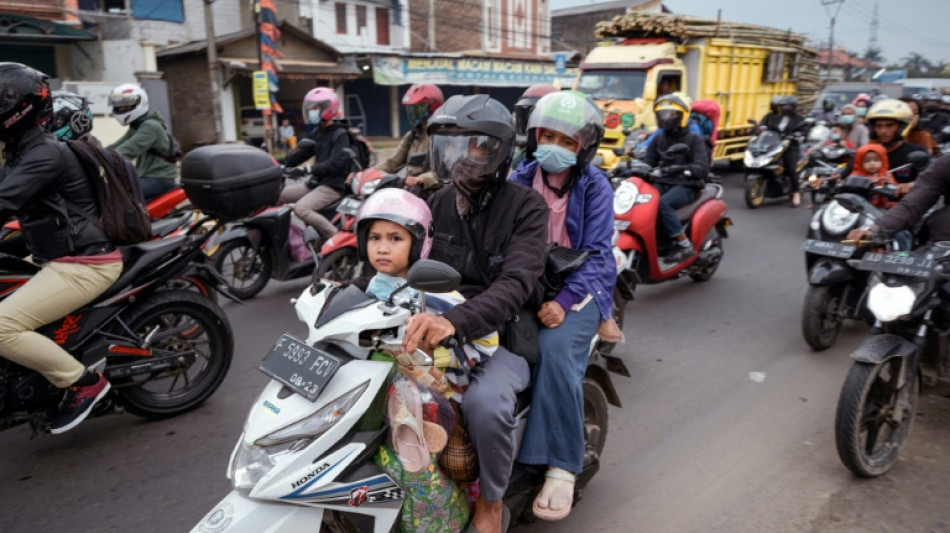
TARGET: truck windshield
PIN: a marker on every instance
(612, 84)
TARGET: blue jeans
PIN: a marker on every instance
(555, 432)
(672, 197)
(152, 188)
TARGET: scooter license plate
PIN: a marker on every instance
(900, 263)
(828, 248)
(349, 206)
(303, 369)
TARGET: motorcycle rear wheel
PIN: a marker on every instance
(870, 397)
(245, 269)
(820, 323)
(340, 265)
(201, 327)
(755, 192)
(713, 240)
(596, 421)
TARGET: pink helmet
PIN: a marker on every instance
(403, 208)
(321, 103)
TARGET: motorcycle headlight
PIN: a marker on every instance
(318, 423)
(836, 220)
(624, 197)
(887, 304)
(251, 463)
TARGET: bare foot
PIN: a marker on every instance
(487, 517)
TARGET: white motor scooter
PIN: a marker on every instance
(303, 461)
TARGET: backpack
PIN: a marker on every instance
(361, 148)
(122, 212)
(705, 125)
(173, 153)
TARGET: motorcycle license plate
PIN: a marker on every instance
(349, 206)
(830, 249)
(303, 369)
(900, 263)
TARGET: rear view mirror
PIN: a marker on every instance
(753, 122)
(305, 144)
(918, 159)
(417, 159)
(433, 276)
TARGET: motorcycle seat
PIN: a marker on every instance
(138, 257)
(709, 192)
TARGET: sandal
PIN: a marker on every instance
(405, 416)
(557, 482)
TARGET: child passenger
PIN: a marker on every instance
(870, 161)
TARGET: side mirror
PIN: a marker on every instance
(433, 276)
(617, 151)
(305, 144)
(918, 159)
(417, 159)
(753, 122)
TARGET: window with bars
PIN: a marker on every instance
(340, 17)
(360, 19)
(382, 26)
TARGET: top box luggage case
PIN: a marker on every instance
(230, 181)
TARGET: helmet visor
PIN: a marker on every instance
(313, 110)
(465, 154)
(669, 118)
(123, 103)
(417, 113)
(522, 112)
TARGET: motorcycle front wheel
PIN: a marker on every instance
(874, 415)
(821, 322)
(754, 192)
(246, 269)
(178, 321)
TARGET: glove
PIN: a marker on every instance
(672, 170)
(298, 172)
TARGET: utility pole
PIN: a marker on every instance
(872, 42)
(214, 73)
(831, 37)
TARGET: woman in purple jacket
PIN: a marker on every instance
(564, 131)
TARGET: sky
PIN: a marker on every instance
(903, 26)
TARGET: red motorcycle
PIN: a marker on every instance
(638, 250)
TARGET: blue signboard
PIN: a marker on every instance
(487, 72)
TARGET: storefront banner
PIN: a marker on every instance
(485, 72)
(261, 90)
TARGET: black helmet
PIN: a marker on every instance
(471, 134)
(525, 105)
(72, 117)
(789, 104)
(25, 99)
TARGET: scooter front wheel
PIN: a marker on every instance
(875, 412)
(820, 319)
(754, 192)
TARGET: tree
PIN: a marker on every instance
(917, 65)
(874, 55)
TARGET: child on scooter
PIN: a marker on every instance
(870, 161)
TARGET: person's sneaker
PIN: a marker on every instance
(680, 254)
(77, 404)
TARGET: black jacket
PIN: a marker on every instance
(509, 224)
(697, 162)
(796, 123)
(331, 164)
(930, 186)
(38, 171)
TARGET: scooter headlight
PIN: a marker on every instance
(318, 423)
(625, 197)
(837, 220)
(887, 304)
(251, 463)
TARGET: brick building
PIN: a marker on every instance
(572, 28)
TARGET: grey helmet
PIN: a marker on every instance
(471, 134)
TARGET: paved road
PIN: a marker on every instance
(698, 446)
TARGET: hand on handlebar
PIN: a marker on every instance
(297, 172)
(426, 331)
(904, 188)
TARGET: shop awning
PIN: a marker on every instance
(293, 68)
(20, 29)
(481, 71)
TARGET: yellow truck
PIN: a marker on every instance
(742, 67)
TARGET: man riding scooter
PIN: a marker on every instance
(786, 120)
(681, 175)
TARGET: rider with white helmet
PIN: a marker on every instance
(146, 141)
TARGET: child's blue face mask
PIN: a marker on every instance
(554, 158)
(382, 286)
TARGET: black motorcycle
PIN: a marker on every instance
(909, 347)
(165, 350)
(834, 287)
(765, 172)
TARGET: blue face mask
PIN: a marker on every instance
(846, 120)
(313, 116)
(382, 286)
(554, 159)
(862, 111)
(835, 137)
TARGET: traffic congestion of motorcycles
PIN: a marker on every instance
(362, 423)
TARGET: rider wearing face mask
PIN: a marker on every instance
(420, 101)
(787, 122)
(854, 131)
(331, 142)
(682, 175)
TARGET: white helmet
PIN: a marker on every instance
(128, 102)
